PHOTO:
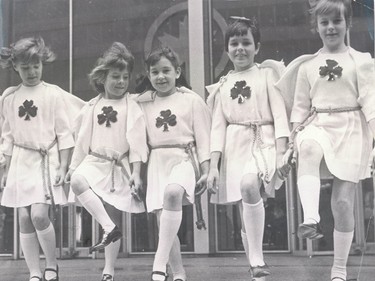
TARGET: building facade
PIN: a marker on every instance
(79, 31)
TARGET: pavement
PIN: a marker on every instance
(284, 267)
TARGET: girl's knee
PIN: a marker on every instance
(250, 185)
(310, 150)
(173, 195)
(40, 218)
(78, 184)
(342, 207)
(24, 217)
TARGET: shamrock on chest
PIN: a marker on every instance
(165, 120)
(27, 110)
(331, 69)
(107, 116)
(240, 91)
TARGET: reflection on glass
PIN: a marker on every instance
(368, 210)
(275, 231)
(326, 217)
(6, 230)
(145, 230)
(83, 228)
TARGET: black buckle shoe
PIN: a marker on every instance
(311, 231)
(107, 239)
(260, 271)
(107, 277)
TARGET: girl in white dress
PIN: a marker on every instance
(37, 139)
(249, 134)
(178, 125)
(333, 115)
(111, 145)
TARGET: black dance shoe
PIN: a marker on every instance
(311, 231)
(107, 239)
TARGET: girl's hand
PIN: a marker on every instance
(282, 164)
(135, 183)
(68, 176)
(212, 180)
(60, 177)
(3, 181)
(201, 185)
(3, 161)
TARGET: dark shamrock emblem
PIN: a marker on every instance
(109, 115)
(240, 91)
(27, 109)
(331, 69)
(167, 118)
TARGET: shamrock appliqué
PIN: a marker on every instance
(27, 109)
(109, 115)
(240, 91)
(331, 69)
(166, 119)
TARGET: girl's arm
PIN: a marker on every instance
(202, 182)
(281, 147)
(371, 124)
(135, 181)
(213, 175)
(201, 128)
(5, 174)
(64, 164)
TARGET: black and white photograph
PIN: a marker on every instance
(187, 140)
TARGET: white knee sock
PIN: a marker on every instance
(175, 260)
(47, 240)
(245, 244)
(170, 222)
(30, 248)
(254, 216)
(342, 242)
(95, 207)
(309, 192)
(110, 254)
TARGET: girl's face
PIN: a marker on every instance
(163, 76)
(116, 83)
(30, 73)
(242, 50)
(332, 30)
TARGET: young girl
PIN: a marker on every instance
(249, 134)
(111, 137)
(333, 113)
(36, 141)
(178, 124)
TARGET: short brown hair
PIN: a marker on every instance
(117, 56)
(26, 50)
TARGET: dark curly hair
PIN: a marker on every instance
(239, 27)
(143, 83)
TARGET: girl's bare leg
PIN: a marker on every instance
(342, 203)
